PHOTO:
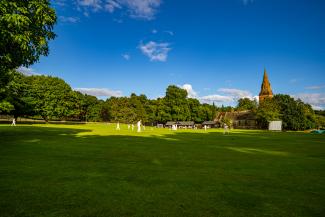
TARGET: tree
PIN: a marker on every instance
(176, 101)
(295, 114)
(320, 121)
(25, 29)
(17, 95)
(246, 104)
(6, 107)
(267, 111)
(86, 107)
(138, 106)
(50, 97)
(320, 118)
(14, 96)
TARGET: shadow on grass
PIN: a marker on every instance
(56, 171)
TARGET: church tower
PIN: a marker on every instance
(266, 90)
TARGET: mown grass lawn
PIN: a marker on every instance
(94, 170)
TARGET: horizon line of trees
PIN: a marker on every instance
(51, 98)
(294, 114)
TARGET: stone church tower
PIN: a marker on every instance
(266, 90)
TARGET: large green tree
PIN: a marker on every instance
(26, 26)
(86, 107)
(295, 114)
(268, 110)
(246, 104)
(176, 100)
(50, 97)
(17, 95)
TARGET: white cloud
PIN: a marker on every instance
(94, 4)
(236, 93)
(216, 98)
(155, 51)
(27, 71)
(69, 19)
(142, 9)
(315, 107)
(190, 92)
(229, 96)
(99, 92)
(315, 87)
(316, 100)
(145, 9)
(111, 6)
(126, 56)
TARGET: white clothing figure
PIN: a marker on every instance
(13, 122)
(128, 126)
(205, 127)
(118, 126)
(139, 126)
(226, 129)
(132, 127)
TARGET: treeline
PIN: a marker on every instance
(294, 114)
(51, 98)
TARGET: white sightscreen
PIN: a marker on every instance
(275, 125)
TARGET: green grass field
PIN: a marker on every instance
(94, 170)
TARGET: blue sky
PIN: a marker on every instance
(216, 49)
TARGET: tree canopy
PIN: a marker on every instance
(51, 98)
(25, 29)
(246, 104)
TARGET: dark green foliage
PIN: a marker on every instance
(86, 107)
(6, 107)
(25, 29)
(50, 97)
(295, 114)
(226, 109)
(320, 112)
(13, 95)
(53, 99)
(26, 26)
(320, 118)
(246, 104)
(268, 110)
(175, 106)
(18, 90)
(176, 101)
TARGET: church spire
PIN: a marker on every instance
(266, 90)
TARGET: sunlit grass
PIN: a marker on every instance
(95, 170)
